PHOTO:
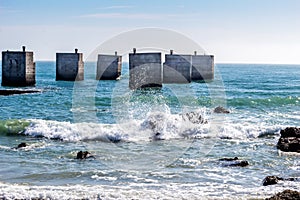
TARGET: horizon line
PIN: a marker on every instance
(238, 63)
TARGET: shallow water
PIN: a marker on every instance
(118, 127)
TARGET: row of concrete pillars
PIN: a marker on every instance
(146, 69)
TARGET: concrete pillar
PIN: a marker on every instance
(69, 66)
(145, 70)
(18, 68)
(202, 67)
(109, 67)
(177, 68)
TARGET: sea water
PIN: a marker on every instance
(150, 144)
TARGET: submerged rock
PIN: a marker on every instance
(220, 109)
(286, 195)
(242, 163)
(289, 140)
(158, 136)
(84, 155)
(234, 162)
(272, 180)
(21, 145)
(229, 159)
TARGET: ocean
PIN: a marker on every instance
(150, 144)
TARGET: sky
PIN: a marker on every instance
(234, 31)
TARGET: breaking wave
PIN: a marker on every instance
(156, 126)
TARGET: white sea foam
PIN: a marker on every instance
(141, 191)
(156, 125)
(248, 130)
(29, 146)
(4, 147)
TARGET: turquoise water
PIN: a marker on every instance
(118, 127)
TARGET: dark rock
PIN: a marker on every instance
(84, 155)
(220, 109)
(234, 162)
(21, 145)
(194, 117)
(290, 179)
(289, 140)
(290, 132)
(229, 159)
(242, 163)
(271, 180)
(286, 195)
(158, 136)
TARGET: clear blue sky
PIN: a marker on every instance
(239, 31)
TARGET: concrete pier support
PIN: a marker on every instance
(18, 68)
(109, 67)
(145, 70)
(202, 67)
(69, 66)
(177, 68)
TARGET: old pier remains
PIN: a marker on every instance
(109, 67)
(202, 67)
(177, 68)
(69, 66)
(18, 68)
(145, 70)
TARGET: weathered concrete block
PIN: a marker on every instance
(18, 68)
(108, 67)
(69, 66)
(177, 68)
(145, 70)
(202, 67)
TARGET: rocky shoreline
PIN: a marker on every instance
(286, 195)
(289, 140)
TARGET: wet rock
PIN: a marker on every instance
(21, 145)
(286, 195)
(158, 136)
(290, 132)
(242, 163)
(229, 159)
(194, 117)
(84, 155)
(289, 140)
(220, 109)
(233, 162)
(271, 180)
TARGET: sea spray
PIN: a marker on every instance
(156, 124)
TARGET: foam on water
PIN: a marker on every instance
(156, 125)
(141, 191)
